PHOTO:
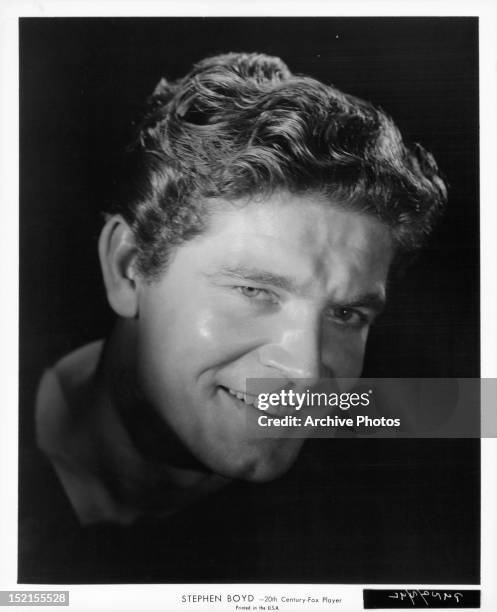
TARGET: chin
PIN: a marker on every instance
(261, 466)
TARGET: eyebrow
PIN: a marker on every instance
(263, 277)
(374, 300)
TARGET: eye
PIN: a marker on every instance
(256, 294)
(349, 317)
(250, 292)
(345, 314)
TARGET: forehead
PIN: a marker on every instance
(316, 242)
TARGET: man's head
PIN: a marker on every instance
(254, 239)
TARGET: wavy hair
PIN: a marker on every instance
(241, 125)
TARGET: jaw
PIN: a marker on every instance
(258, 460)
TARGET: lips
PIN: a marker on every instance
(250, 400)
(247, 398)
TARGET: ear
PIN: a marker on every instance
(117, 252)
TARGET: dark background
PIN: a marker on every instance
(83, 81)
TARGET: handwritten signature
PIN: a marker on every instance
(426, 596)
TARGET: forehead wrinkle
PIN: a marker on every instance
(325, 271)
(338, 251)
(349, 285)
(262, 257)
(339, 268)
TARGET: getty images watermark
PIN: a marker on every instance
(310, 400)
(373, 407)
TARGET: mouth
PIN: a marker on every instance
(242, 399)
(249, 401)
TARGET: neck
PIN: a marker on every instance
(127, 464)
(150, 435)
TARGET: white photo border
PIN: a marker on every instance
(168, 597)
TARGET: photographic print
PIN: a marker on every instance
(205, 202)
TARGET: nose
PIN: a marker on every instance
(294, 351)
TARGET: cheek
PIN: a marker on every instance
(216, 327)
(190, 336)
(218, 320)
(343, 352)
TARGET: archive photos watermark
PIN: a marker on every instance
(370, 407)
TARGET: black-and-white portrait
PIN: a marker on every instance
(209, 200)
